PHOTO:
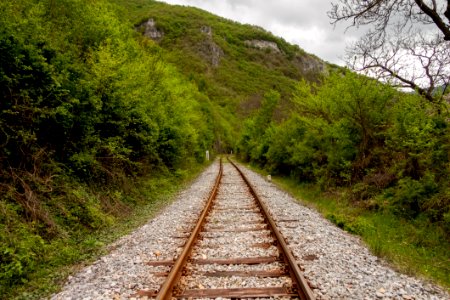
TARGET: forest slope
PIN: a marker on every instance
(231, 63)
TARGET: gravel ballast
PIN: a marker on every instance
(336, 264)
(234, 229)
(123, 272)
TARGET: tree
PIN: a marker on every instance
(408, 45)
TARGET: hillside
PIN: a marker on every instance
(233, 64)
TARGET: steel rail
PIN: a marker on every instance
(166, 289)
(303, 288)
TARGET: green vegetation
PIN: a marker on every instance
(97, 120)
(387, 153)
(61, 256)
(92, 120)
(244, 73)
(411, 246)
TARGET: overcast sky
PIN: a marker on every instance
(301, 22)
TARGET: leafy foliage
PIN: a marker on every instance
(379, 157)
(390, 149)
(83, 103)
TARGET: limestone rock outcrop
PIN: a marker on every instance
(260, 44)
(151, 31)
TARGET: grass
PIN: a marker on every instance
(66, 256)
(412, 247)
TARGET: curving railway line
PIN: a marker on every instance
(233, 251)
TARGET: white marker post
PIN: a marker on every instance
(207, 155)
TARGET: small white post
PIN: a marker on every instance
(207, 155)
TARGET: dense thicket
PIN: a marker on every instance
(391, 149)
(84, 104)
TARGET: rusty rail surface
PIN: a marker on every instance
(303, 288)
(166, 289)
(300, 286)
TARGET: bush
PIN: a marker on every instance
(410, 195)
(20, 248)
(352, 131)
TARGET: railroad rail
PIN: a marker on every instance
(248, 204)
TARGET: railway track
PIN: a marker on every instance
(233, 251)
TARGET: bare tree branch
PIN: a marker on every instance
(380, 12)
(447, 12)
(401, 48)
(415, 61)
(433, 14)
